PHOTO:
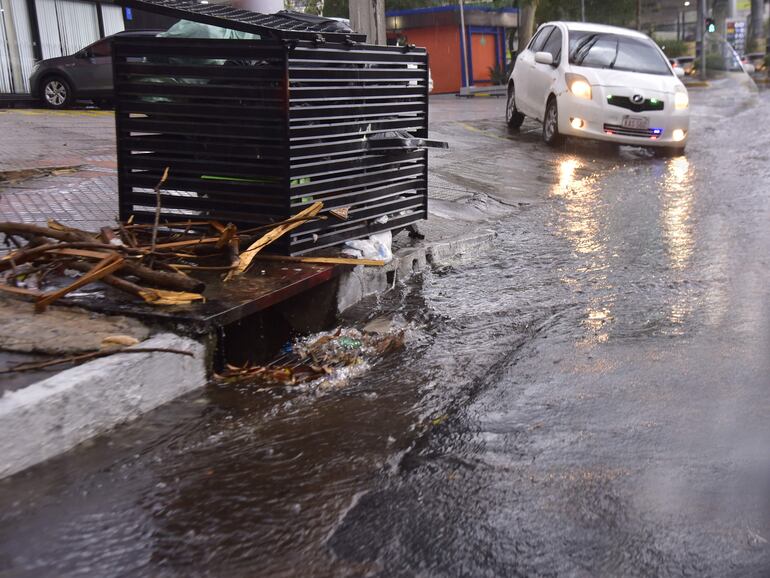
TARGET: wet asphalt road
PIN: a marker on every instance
(590, 398)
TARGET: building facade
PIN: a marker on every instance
(489, 33)
(31, 30)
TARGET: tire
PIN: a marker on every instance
(57, 93)
(668, 152)
(513, 117)
(551, 135)
(104, 103)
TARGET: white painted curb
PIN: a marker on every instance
(54, 415)
(361, 282)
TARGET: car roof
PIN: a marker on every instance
(600, 28)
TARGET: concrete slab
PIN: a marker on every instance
(60, 330)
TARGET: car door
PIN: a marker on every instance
(522, 73)
(92, 73)
(543, 75)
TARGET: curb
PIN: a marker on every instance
(363, 282)
(52, 416)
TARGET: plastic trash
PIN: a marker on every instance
(377, 246)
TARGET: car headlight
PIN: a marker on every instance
(578, 85)
(681, 100)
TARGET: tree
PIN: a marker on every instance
(527, 11)
(618, 12)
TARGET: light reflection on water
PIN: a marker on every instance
(677, 204)
(579, 223)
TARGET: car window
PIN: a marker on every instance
(618, 52)
(102, 48)
(537, 42)
(553, 45)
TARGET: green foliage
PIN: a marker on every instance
(617, 12)
(498, 75)
(336, 9)
(673, 48)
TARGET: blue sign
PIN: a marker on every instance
(129, 14)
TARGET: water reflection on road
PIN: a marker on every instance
(589, 398)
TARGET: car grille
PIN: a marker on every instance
(651, 133)
(625, 102)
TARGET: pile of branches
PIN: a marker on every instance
(147, 261)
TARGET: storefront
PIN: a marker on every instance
(488, 35)
(31, 30)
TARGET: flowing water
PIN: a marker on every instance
(587, 398)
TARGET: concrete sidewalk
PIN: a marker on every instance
(80, 140)
(84, 140)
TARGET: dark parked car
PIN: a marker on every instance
(85, 75)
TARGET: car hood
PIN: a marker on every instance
(633, 80)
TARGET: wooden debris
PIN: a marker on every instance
(36, 366)
(103, 268)
(341, 213)
(119, 341)
(322, 260)
(248, 255)
(155, 262)
(161, 297)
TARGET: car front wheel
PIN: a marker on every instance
(513, 117)
(551, 134)
(57, 93)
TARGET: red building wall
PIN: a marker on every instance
(443, 44)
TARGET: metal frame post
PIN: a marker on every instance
(464, 44)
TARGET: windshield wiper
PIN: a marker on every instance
(617, 51)
(581, 45)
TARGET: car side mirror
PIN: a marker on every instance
(749, 68)
(679, 72)
(544, 58)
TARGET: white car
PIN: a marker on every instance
(599, 82)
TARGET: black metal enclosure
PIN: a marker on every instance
(253, 131)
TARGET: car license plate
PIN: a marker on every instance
(636, 122)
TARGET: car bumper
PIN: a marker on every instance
(604, 122)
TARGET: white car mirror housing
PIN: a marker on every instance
(749, 68)
(679, 72)
(544, 58)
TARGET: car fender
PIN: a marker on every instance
(46, 74)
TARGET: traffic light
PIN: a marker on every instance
(711, 25)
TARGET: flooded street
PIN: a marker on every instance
(588, 398)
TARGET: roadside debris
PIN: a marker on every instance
(151, 261)
(83, 357)
(326, 358)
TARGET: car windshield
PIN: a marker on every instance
(602, 50)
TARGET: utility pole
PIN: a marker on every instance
(700, 37)
(368, 17)
(463, 44)
(583, 10)
(756, 24)
(638, 14)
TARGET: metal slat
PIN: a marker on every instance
(252, 146)
(281, 25)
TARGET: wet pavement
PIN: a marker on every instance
(590, 398)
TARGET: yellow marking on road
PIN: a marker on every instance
(484, 132)
(43, 112)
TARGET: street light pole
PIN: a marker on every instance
(700, 37)
(583, 10)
